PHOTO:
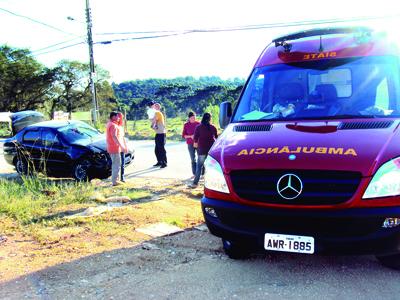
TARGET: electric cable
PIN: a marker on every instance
(170, 33)
(259, 26)
(54, 45)
(36, 21)
(69, 46)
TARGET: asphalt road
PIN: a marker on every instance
(142, 166)
(179, 166)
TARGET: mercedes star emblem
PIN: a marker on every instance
(289, 186)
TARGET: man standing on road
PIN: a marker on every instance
(158, 125)
(188, 134)
(114, 146)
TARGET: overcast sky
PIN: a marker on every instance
(225, 54)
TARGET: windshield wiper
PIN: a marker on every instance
(350, 116)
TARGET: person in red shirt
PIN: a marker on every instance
(188, 134)
(205, 135)
(114, 146)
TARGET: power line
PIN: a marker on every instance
(143, 37)
(170, 33)
(65, 47)
(54, 45)
(135, 32)
(258, 26)
(36, 21)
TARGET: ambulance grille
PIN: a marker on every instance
(248, 128)
(365, 125)
(319, 187)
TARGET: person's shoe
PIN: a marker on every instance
(117, 183)
(192, 186)
(163, 166)
(157, 164)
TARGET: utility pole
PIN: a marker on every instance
(92, 69)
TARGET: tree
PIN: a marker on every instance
(71, 91)
(25, 83)
(178, 95)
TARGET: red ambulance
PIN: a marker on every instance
(309, 161)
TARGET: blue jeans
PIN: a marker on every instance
(192, 153)
(159, 150)
(199, 168)
(122, 165)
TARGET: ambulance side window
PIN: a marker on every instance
(257, 93)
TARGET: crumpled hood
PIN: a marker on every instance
(99, 143)
(308, 145)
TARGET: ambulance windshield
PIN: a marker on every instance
(365, 87)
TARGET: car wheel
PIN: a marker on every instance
(80, 171)
(235, 250)
(390, 261)
(23, 167)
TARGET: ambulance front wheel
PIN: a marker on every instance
(390, 261)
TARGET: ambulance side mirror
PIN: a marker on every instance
(225, 114)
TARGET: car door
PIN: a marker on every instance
(54, 154)
(30, 149)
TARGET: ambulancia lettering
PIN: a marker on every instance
(305, 150)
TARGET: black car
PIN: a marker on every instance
(61, 149)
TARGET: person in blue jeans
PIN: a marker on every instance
(205, 135)
(122, 138)
(188, 134)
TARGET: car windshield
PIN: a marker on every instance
(73, 133)
(364, 87)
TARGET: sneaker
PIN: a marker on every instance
(157, 164)
(117, 183)
(192, 186)
(163, 166)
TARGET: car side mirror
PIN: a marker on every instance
(225, 114)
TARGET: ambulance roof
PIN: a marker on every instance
(326, 43)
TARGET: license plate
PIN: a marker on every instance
(289, 243)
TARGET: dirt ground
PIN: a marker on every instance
(186, 265)
(191, 265)
(130, 273)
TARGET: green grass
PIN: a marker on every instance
(32, 200)
(82, 115)
(5, 130)
(140, 129)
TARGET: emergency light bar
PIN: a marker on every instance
(281, 41)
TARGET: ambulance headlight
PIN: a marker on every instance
(214, 178)
(386, 181)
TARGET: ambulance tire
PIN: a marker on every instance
(235, 250)
(390, 261)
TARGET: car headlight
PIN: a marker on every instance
(214, 178)
(95, 149)
(386, 181)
